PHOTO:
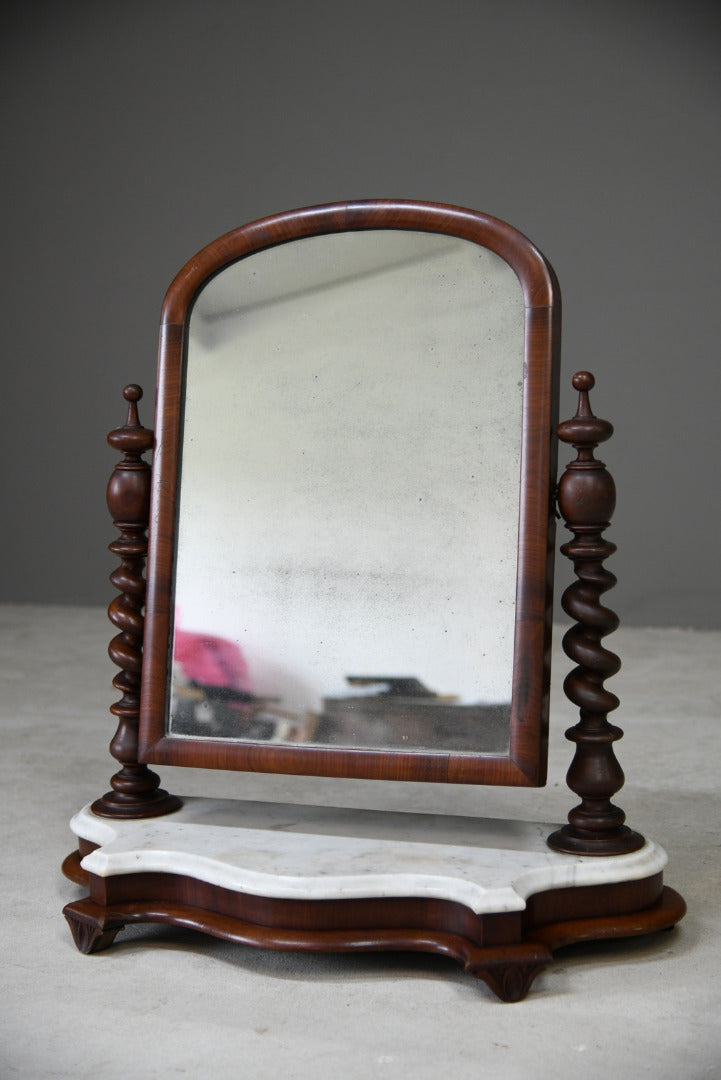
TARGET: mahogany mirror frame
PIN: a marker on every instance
(525, 764)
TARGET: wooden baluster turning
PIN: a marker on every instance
(586, 498)
(135, 791)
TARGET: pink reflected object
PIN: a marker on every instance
(210, 660)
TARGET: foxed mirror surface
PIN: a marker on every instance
(348, 504)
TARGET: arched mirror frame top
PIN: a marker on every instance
(525, 764)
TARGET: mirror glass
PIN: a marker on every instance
(347, 519)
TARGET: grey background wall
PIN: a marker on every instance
(135, 133)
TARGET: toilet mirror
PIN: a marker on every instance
(351, 531)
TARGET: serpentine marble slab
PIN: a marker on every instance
(321, 853)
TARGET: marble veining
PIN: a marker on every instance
(314, 852)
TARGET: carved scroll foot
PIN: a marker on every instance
(92, 929)
(511, 979)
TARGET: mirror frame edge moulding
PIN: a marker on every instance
(525, 764)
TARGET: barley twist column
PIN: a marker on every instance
(587, 498)
(135, 791)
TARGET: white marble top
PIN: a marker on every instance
(314, 852)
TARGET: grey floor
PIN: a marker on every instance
(164, 1003)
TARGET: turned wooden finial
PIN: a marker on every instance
(132, 436)
(586, 499)
(135, 788)
(585, 431)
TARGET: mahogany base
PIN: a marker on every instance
(507, 969)
(505, 939)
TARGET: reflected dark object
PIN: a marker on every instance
(393, 719)
(404, 716)
(395, 685)
(224, 713)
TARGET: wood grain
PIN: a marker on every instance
(587, 498)
(135, 792)
(507, 950)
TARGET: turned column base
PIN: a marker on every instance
(112, 805)
(136, 794)
(572, 841)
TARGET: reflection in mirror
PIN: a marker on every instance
(349, 496)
